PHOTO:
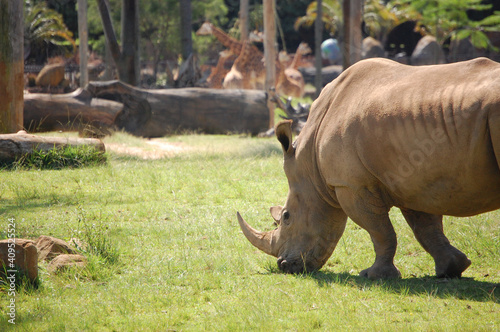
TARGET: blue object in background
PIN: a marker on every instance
(330, 50)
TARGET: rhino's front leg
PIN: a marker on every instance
(428, 229)
(370, 213)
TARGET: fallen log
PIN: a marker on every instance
(76, 111)
(155, 113)
(104, 106)
(15, 146)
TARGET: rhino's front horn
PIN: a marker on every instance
(262, 240)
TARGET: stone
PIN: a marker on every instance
(372, 48)
(461, 50)
(66, 261)
(25, 254)
(427, 52)
(49, 247)
(50, 75)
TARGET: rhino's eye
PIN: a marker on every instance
(286, 215)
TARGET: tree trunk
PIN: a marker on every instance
(186, 29)
(14, 146)
(270, 53)
(127, 60)
(156, 113)
(318, 35)
(130, 43)
(11, 65)
(352, 31)
(109, 32)
(243, 20)
(83, 36)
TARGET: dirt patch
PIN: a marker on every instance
(156, 149)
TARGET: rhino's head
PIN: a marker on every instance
(308, 227)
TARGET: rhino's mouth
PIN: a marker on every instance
(296, 265)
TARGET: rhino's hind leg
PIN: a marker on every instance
(428, 229)
(370, 213)
(494, 127)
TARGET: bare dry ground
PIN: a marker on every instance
(154, 149)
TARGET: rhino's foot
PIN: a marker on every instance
(452, 265)
(378, 271)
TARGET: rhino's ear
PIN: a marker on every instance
(276, 213)
(284, 134)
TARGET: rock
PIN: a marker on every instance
(49, 247)
(372, 48)
(26, 258)
(328, 74)
(427, 52)
(65, 261)
(50, 75)
(461, 50)
(402, 58)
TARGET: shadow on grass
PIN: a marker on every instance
(12, 205)
(33, 203)
(464, 288)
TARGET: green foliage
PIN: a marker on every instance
(160, 28)
(97, 40)
(448, 19)
(159, 24)
(209, 10)
(59, 158)
(379, 18)
(331, 16)
(44, 27)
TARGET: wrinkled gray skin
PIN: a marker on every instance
(423, 139)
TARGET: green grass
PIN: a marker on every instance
(168, 254)
(58, 158)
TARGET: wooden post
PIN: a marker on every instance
(11, 65)
(318, 36)
(243, 20)
(352, 31)
(83, 36)
(270, 53)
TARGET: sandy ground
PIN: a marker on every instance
(156, 149)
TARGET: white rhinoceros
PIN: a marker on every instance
(423, 139)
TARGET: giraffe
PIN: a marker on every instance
(290, 81)
(224, 64)
(303, 49)
(248, 71)
(229, 42)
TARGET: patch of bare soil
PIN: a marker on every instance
(156, 149)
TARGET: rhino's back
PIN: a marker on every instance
(423, 135)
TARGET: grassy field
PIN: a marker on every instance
(172, 257)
